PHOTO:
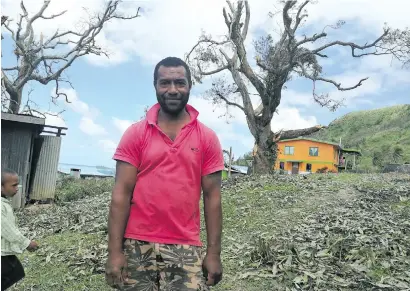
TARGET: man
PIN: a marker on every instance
(12, 241)
(163, 162)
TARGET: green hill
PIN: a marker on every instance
(382, 135)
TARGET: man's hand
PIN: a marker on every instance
(32, 246)
(116, 270)
(212, 268)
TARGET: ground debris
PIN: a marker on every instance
(322, 232)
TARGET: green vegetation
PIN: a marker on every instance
(382, 135)
(70, 189)
(282, 232)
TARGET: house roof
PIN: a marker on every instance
(98, 171)
(309, 139)
(346, 150)
(22, 118)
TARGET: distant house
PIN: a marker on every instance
(235, 171)
(306, 155)
(85, 172)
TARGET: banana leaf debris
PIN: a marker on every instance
(318, 232)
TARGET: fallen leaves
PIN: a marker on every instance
(326, 232)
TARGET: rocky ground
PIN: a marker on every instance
(320, 232)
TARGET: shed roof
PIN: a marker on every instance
(98, 171)
(241, 169)
(22, 118)
(352, 151)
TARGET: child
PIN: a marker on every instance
(12, 241)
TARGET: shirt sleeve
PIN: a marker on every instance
(10, 231)
(213, 160)
(129, 147)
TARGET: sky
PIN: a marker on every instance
(109, 94)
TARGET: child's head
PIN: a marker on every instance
(9, 182)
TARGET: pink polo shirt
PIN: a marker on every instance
(165, 203)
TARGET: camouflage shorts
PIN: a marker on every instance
(153, 266)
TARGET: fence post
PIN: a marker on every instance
(230, 162)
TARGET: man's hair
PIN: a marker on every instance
(5, 172)
(172, 62)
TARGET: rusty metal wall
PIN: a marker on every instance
(16, 146)
(47, 153)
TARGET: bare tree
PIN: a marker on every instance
(277, 62)
(44, 59)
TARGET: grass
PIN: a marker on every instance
(69, 189)
(45, 272)
(374, 132)
(262, 220)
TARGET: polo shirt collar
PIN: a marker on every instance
(152, 113)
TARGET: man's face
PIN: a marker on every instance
(10, 184)
(172, 89)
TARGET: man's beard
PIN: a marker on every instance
(173, 109)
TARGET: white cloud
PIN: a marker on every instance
(51, 118)
(164, 29)
(290, 118)
(74, 103)
(108, 145)
(88, 126)
(55, 120)
(88, 113)
(153, 35)
(121, 124)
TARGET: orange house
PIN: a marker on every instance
(306, 155)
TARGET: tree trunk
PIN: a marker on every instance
(265, 150)
(264, 154)
(15, 100)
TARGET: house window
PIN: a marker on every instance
(282, 165)
(313, 151)
(308, 167)
(289, 150)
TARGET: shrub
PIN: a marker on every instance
(71, 189)
(322, 170)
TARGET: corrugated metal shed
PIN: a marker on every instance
(17, 139)
(240, 169)
(47, 149)
(87, 171)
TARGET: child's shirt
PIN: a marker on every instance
(12, 240)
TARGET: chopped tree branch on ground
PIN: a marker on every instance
(277, 61)
(44, 59)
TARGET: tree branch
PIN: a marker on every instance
(337, 85)
(247, 18)
(229, 102)
(355, 46)
(300, 17)
(289, 134)
(32, 53)
(211, 72)
(10, 69)
(53, 16)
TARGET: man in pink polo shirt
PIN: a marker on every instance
(163, 163)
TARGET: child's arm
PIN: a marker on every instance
(10, 231)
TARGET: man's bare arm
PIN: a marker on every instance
(211, 186)
(125, 179)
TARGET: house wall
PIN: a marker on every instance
(16, 151)
(327, 156)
